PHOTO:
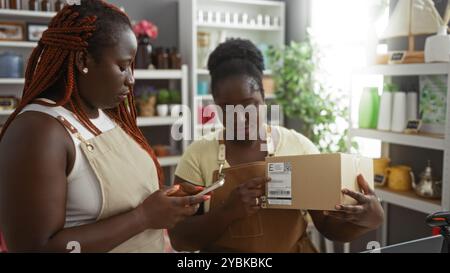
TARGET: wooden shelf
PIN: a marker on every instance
(408, 200)
(26, 13)
(406, 69)
(157, 121)
(158, 74)
(23, 44)
(167, 161)
(417, 140)
(12, 81)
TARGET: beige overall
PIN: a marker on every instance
(127, 176)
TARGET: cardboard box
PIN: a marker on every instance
(314, 182)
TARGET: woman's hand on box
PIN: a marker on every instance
(366, 213)
(244, 200)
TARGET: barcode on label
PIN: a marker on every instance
(280, 192)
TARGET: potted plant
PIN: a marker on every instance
(175, 103)
(145, 31)
(303, 97)
(163, 102)
(146, 101)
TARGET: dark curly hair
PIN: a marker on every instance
(236, 57)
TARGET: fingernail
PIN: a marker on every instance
(206, 197)
(338, 207)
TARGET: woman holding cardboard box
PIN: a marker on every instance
(233, 221)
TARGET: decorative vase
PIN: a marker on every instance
(385, 113)
(11, 65)
(144, 52)
(162, 110)
(147, 106)
(399, 112)
(437, 47)
(368, 108)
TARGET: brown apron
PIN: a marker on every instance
(127, 176)
(269, 230)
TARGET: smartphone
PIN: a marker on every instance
(219, 183)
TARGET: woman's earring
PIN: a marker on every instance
(85, 70)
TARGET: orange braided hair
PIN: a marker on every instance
(54, 57)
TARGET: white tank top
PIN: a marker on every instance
(84, 198)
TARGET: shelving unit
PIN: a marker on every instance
(14, 86)
(12, 81)
(189, 28)
(180, 75)
(410, 200)
(429, 141)
(26, 14)
(15, 44)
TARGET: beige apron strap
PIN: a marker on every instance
(74, 132)
(221, 157)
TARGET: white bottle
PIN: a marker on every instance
(399, 112)
(245, 19)
(227, 18)
(259, 20)
(235, 18)
(218, 17)
(267, 20)
(411, 99)
(210, 17)
(385, 113)
(200, 18)
(437, 47)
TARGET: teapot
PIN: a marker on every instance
(400, 178)
(380, 166)
(428, 186)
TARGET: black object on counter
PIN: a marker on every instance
(442, 221)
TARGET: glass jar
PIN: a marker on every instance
(45, 5)
(33, 5)
(203, 45)
(174, 59)
(15, 4)
(58, 5)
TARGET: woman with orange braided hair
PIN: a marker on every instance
(75, 170)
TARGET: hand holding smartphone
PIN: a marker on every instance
(219, 183)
